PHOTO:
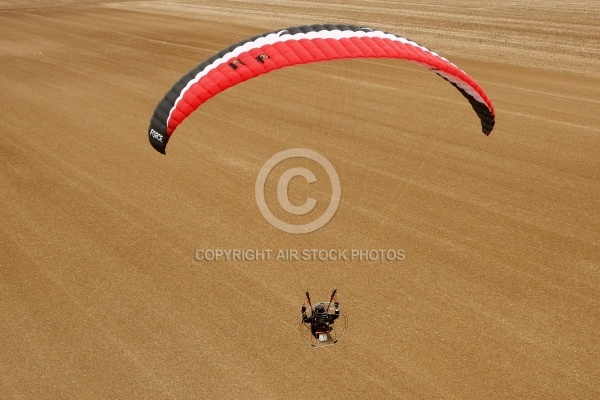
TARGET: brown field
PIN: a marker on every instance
(101, 296)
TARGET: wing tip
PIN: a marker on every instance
(488, 127)
(158, 140)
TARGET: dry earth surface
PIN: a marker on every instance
(100, 292)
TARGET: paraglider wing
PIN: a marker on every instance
(294, 46)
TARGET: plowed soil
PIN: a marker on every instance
(102, 292)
